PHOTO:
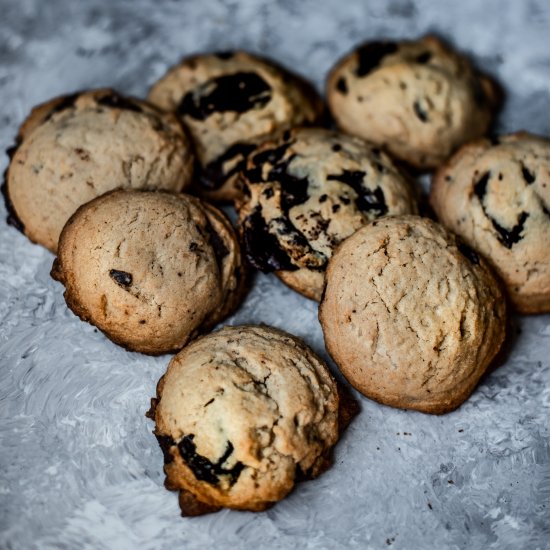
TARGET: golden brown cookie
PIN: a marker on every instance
(307, 192)
(496, 196)
(231, 101)
(150, 269)
(74, 148)
(411, 315)
(241, 415)
(418, 99)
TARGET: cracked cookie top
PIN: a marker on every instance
(411, 315)
(496, 196)
(241, 414)
(77, 147)
(150, 269)
(419, 99)
(231, 101)
(307, 192)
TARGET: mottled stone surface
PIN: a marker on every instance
(79, 467)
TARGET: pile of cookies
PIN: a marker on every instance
(413, 312)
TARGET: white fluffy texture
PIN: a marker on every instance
(79, 467)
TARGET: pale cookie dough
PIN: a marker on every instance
(496, 196)
(231, 101)
(418, 99)
(307, 192)
(241, 415)
(150, 269)
(412, 316)
(74, 148)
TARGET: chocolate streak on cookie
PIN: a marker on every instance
(370, 55)
(166, 443)
(239, 92)
(12, 218)
(506, 237)
(212, 176)
(367, 200)
(204, 469)
(66, 103)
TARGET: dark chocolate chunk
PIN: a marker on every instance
(480, 188)
(528, 176)
(335, 208)
(271, 156)
(204, 469)
(165, 443)
(217, 244)
(122, 278)
(261, 247)
(212, 176)
(424, 57)
(367, 200)
(237, 92)
(118, 102)
(323, 198)
(467, 252)
(420, 112)
(342, 85)
(228, 54)
(268, 192)
(371, 54)
(336, 147)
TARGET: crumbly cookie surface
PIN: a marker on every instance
(411, 315)
(418, 99)
(241, 414)
(496, 196)
(307, 192)
(150, 269)
(75, 148)
(231, 101)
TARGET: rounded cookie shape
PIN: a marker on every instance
(231, 101)
(150, 269)
(241, 414)
(419, 99)
(74, 148)
(307, 192)
(496, 196)
(411, 315)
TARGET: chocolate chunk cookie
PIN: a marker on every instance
(496, 196)
(76, 147)
(241, 415)
(411, 315)
(230, 102)
(307, 192)
(419, 99)
(150, 269)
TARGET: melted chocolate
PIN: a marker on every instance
(239, 92)
(204, 469)
(342, 86)
(467, 252)
(423, 58)
(506, 237)
(528, 176)
(122, 278)
(367, 200)
(66, 103)
(212, 176)
(165, 443)
(371, 54)
(261, 247)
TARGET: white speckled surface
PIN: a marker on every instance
(79, 467)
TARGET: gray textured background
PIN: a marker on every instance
(79, 467)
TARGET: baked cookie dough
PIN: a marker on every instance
(74, 148)
(418, 99)
(241, 415)
(307, 192)
(411, 315)
(150, 269)
(231, 101)
(496, 196)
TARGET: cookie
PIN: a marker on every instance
(307, 192)
(496, 196)
(241, 415)
(418, 99)
(77, 147)
(150, 269)
(411, 315)
(231, 101)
